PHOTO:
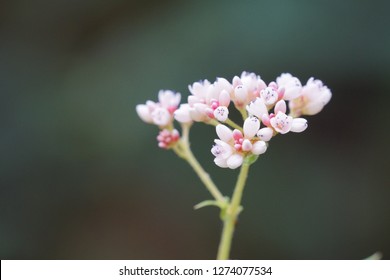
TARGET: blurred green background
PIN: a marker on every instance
(82, 176)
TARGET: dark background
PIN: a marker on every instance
(82, 177)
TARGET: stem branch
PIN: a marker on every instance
(232, 212)
(184, 151)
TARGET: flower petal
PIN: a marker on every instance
(168, 98)
(161, 117)
(251, 126)
(221, 113)
(259, 148)
(270, 95)
(225, 149)
(224, 133)
(265, 133)
(240, 94)
(246, 145)
(291, 85)
(182, 114)
(235, 161)
(224, 98)
(144, 113)
(298, 125)
(257, 108)
(281, 123)
(221, 162)
(280, 106)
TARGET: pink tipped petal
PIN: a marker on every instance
(224, 98)
(237, 134)
(298, 125)
(259, 148)
(221, 113)
(246, 145)
(266, 120)
(175, 134)
(234, 161)
(251, 126)
(143, 113)
(280, 107)
(224, 133)
(280, 93)
(265, 134)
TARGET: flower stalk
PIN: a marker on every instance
(267, 111)
(233, 210)
(184, 151)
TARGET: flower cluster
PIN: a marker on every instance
(267, 110)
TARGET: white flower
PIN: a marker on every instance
(143, 112)
(233, 146)
(269, 95)
(161, 116)
(257, 108)
(265, 134)
(298, 125)
(160, 113)
(169, 100)
(292, 86)
(199, 92)
(209, 100)
(282, 123)
(182, 114)
(246, 89)
(314, 97)
(221, 113)
(251, 126)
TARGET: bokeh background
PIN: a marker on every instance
(82, 177)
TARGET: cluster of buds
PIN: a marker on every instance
(267, 111)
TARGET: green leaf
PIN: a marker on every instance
(220, 204)
(207, 203)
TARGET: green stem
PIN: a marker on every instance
(213, 122)
(244, 113)
(232, 212)
(184, 151)
(233, 124)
